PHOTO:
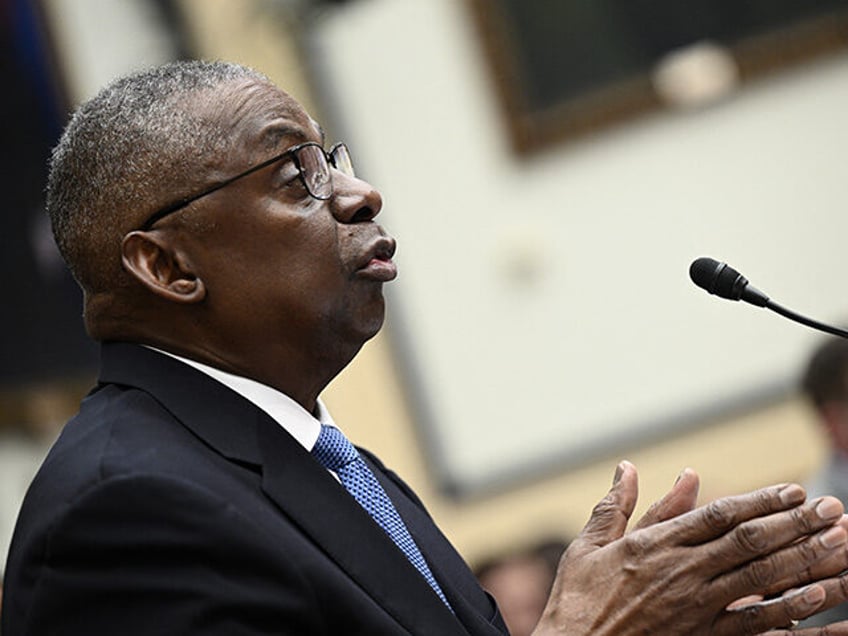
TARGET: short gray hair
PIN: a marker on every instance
(122, 152)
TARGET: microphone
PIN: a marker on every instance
(722, 280)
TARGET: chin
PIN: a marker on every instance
(369, 319)
(358, 322)
(370, 330)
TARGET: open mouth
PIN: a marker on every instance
(378, 264)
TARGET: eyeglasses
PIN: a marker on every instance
(313, 166)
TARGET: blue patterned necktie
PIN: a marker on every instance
(336, 453)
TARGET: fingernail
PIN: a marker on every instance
(679, 476)
(829, 508)
(619, 471)
(833, 537)
(792, 494)
(813, 595)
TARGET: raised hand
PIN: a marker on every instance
(678, 573)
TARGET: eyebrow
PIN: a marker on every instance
(271, 136)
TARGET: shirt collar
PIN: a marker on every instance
(296, 420)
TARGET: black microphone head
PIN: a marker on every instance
(717, 278)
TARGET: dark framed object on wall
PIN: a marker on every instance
(565, 68)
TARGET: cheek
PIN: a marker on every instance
(307, 250)
(296, 262)
(312, 270)
(319, 259)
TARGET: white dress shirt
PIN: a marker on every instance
(296, 420)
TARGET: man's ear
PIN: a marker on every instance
(161, 268)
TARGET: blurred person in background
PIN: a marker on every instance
(232, 266)
(521, 580)
(824, 383)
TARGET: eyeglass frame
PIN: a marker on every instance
(329, 156)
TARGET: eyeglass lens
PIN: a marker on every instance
(340, 156)
(316, 170)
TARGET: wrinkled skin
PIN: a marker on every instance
(701, 571)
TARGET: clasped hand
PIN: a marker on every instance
(740, 565)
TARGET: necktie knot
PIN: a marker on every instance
(333, 450)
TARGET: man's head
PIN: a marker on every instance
(825, 384)
(256, 276)
(124, 151)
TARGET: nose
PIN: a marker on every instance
(354, 200)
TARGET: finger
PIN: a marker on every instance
(836, 629)
(611, 514)
(721, 515)
(757, 618)
(746, 600)
(793, 560)
(836, 592)
(682, 498)
(830, 565)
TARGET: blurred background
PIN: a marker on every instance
(550, 169)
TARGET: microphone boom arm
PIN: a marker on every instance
(809, 322)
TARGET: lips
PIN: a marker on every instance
(377, 263)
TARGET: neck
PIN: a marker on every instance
(284, 370)
(299, 369)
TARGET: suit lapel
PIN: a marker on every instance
(220, 417)
(291, 478)
(471, 604)
(326, 511)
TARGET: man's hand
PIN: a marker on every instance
(681, 568)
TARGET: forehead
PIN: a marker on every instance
(259, 118)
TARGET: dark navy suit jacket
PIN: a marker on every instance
(172, 505)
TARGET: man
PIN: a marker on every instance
(231, 267)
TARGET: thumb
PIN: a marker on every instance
(611, 514)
